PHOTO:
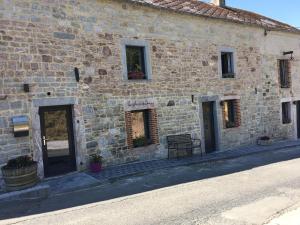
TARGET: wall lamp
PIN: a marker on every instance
(76, 72)
(26, 88)
(289, 53)
(266, 32)
(3, 97)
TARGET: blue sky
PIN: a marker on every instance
(287, 11)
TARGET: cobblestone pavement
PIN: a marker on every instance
(140, 167)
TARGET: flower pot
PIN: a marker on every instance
(95, 167)
(264, 142)
(136, 75)
(20, 178)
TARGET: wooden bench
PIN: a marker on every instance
(182, 143)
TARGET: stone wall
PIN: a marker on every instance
(42, 41)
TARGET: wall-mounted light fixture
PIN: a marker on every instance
(295, 102)
(26, 88)
(266, 32)
(289, 53)
(171, 103)
(76, 71)
(3, 97)
(193, 98)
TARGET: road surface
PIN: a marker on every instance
(253, 190)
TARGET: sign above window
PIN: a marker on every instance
(140, 104)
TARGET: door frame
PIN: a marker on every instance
(216, 101)
(296, 118)
(71, 135)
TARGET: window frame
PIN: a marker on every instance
(236, 111)
(232, 53)
(230, 112)
(147, 59)
(141, 51)
(146, 119)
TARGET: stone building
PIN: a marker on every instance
(116, 77)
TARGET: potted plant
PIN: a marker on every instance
(20, 173)
(265, 140)
(230, 124)
(95, 163)
(140, 141)
(136, 74)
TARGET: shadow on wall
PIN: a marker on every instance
(144, 182)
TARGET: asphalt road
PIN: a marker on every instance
(253, 190)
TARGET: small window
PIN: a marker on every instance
(135, 58)
(140, 128)
(284, 73)
(231, 113)
(227, 64)
(286, 112)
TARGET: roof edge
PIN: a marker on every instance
(144, 3)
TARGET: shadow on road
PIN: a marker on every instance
(144, 182)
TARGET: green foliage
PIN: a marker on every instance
(134, 57)
(96, 158)
(230, 124)
(140, 141)
(19, 162)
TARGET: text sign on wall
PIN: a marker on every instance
(140, 104)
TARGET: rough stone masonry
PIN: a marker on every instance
(41, 42)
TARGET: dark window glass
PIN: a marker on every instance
(140, 128)
(227, 65)
(286, 112)
(284, 73)
(229, 114)
(135, 58)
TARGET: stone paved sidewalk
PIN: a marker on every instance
(82, 180)
(120, 171)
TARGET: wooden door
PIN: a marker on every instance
(209, 127)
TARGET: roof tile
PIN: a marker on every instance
(226, 13)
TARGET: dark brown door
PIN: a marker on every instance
(209, 128)
(298, 119)
(57, 140)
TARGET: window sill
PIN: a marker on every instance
(289, 123)
(138, 80)
(144, 147)
(228, 76)
(230, 128)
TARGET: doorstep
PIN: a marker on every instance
(52, 186)
(70, 182)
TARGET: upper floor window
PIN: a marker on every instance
(227, 64)
(286, 112)
(284, 73)
(136, 60)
